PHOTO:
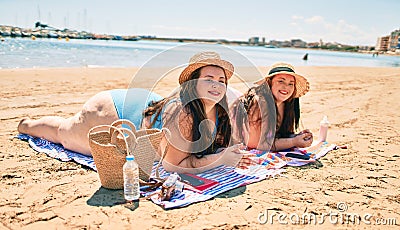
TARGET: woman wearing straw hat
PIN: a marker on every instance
(265, 130)
(196, 116)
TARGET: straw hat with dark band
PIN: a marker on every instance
(302, 85)
(204, 59)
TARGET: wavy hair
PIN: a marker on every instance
(291, 117)
(194, 107)
(254, 109)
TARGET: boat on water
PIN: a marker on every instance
(270, 46)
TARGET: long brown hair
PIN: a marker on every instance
(194, 107)
(254, 109)
(291, 116)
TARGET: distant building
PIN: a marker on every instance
(313, 44)
(254, 40)
(274, 43)
(382, 43)
(394, 40)
(298, 43)
(285, 44)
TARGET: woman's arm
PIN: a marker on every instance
(300, 140)
(190, 164)
(178, 157)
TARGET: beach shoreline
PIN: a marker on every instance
(100, 53)
(361, 103)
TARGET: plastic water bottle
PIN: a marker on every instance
(131, 179)
(323, 129)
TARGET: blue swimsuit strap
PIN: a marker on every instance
(159, 120)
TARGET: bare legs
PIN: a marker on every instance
(45, 127)
(72, 132)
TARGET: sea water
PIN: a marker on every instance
(43, 53)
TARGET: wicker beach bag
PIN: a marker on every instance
(110, 144)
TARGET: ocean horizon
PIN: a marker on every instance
(44, 53)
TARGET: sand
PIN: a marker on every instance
(361, 103)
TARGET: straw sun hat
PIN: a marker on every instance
(204, 59)
(302, 85)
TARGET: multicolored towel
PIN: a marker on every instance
(227, 177)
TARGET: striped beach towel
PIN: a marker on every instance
(228, 178)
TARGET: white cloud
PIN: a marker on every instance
(317, 27)
(310, 29)
(342, 29)
(296, 17)
(314, 20)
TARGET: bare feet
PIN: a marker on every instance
(23, 125)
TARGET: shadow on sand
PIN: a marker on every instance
(313, 165)
(109, 197)
(232, 193)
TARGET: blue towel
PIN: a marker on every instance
(57, 151)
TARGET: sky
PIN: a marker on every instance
(351, 22)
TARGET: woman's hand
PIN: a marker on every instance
(303, 139)
(231, 156)
(236, 156)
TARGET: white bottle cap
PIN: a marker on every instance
(325, 120)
